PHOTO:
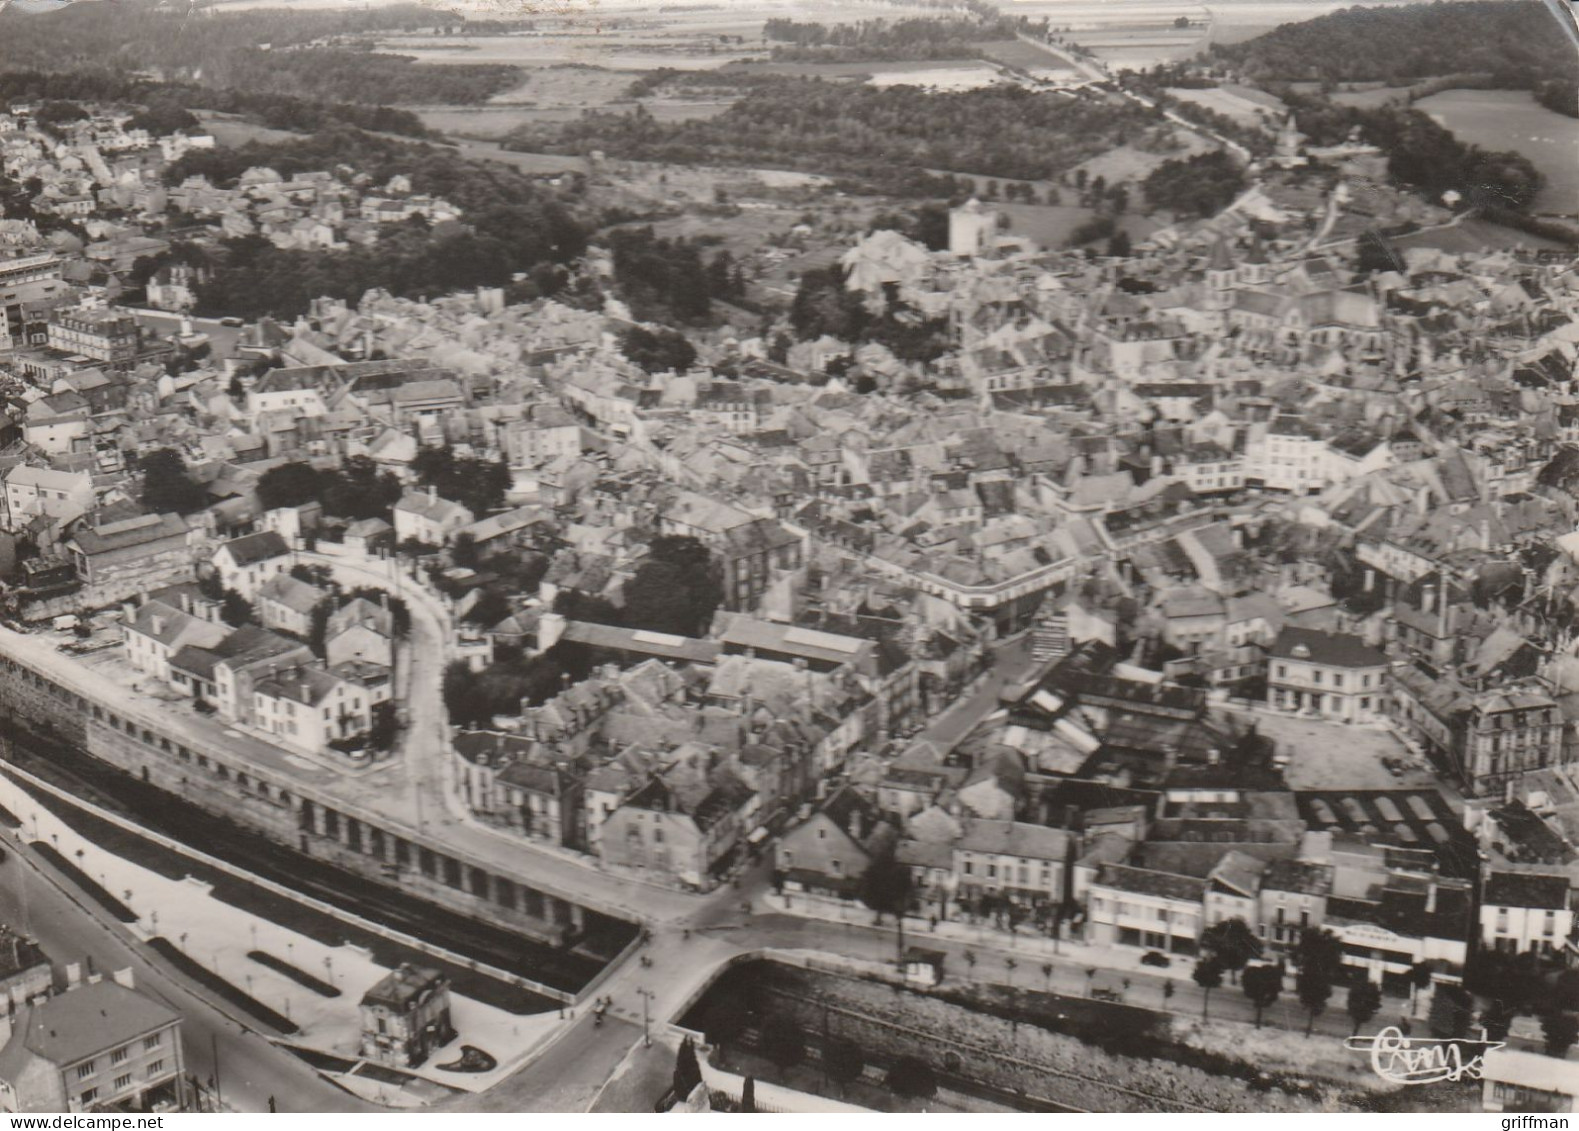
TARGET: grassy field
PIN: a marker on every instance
(231, 130)
(960, 76)
(1471, 236)
(1511, 119)
(1369, 97)
(942, 72)
(1245, 106)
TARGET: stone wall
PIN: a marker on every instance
(214, 780)
(1012, 1057)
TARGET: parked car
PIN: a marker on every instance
(1155, 958)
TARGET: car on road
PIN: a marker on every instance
(1155, 958)
(232, 320)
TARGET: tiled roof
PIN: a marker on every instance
(1121, 877)
(1543, 890)
(292, 592)
(126, 534)
(254, 548)
(87, 1020)
(1332, 649)
(1015, 838)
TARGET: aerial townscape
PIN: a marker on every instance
(768, 555)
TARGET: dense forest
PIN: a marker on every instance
(1423, 154)
(277, 111)
(511, 224)
(879, 137)
(667, 279)
(1202, 185)
(363, 77)
(259, 52)
(885, 40)
(1516, 43)
(1561, 95)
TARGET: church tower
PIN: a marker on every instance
(1220, 276)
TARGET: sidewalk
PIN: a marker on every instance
(1075, 968)
(222, 938)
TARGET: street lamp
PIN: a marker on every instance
(646, 1037)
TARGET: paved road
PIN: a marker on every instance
(1096, 72)
(423, 794)
(1011, 663)
(163, 323)
(251, 1069)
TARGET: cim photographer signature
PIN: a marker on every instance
(1423, 1060)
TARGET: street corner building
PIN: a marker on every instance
(100, 1046)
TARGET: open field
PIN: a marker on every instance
(1369, 97)
(1244, 105)
(1232, 21)
(1023, 56)
(942, 74)
(640, 37)
(957, 77)
(228, 129)
(1475, 235)
(1511, 119)
(618, 53)
(567, 85)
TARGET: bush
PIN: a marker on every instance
(911, 1076)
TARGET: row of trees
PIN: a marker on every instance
(885, 40)
(1230, 946)
(1513, 983)
(1523, 983)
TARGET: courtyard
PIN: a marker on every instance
(1323, 755)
